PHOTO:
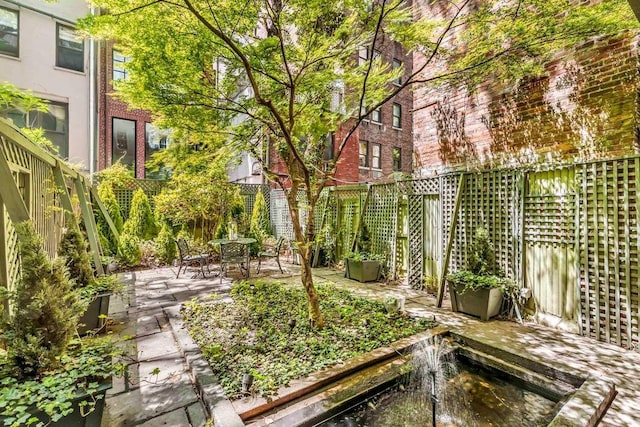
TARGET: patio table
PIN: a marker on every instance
(246, 241)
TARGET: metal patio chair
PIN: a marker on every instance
(186, 258)
(272, 254)
(234, 253)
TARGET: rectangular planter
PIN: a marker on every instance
(95, 318)
(76, 418)
(482, 303)
(362, 271)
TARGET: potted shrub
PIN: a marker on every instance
(479, 289)
(94, 292)
(363, 266)
(46, 377)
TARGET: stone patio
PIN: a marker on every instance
(161, 389)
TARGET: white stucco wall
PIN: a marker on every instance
(35, 68)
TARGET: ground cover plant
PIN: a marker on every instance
(265, 332)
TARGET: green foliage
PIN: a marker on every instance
(12, 98)
(45, 309)
(265, 332)
(74, 249)
(116, 176)
(481, 257)
(166, 250)
(88, 365)
(129, 252)
(108, 241)
(364, 256)
(482, 270)
(141, 222)
(198, 196)
(295, 66)
(260, 222)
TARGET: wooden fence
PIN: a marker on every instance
(40, 187)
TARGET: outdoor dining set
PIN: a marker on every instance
(231, 251)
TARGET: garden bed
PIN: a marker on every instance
(263, 331)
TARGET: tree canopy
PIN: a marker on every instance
(239, 74)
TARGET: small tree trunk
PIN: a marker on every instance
(304, 246)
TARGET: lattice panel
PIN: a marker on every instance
(610, 247)
(15, 154)
(416, 227)
(426, 186)
(279, 213)
(550, 219)
(381, 219)
(489, 200)
(151, 188)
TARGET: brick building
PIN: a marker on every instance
(584, 108)
(124, 134)
(382, 145)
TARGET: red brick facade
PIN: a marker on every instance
(585, 108)
(110, 108)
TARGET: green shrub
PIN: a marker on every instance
(73, 249)
(45, 309)
(129, 252)
(260, 227)
(106, 194)
(141, 222)
(165, 245)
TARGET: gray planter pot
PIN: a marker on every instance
(482, 303)
(362, 271)
(94, 319)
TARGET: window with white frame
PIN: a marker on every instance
(9, 32)
(376, 115)
(397, 158)
(363, 55)
(119, 66)
(397, 116)
(156, 139)
(54, 122)
(364, 154)
(69, 49)
(397, 64)
(376, 150)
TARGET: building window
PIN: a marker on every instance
(397, 116)
(375, 156)
(397, 158)
(329, 147)
(364, 154)
(9, 40)
(376, 115)
(69, 49)
(119, 67)
(396, 65)
(363, 55)
(155, 139)
(54, 122)
(123, 135)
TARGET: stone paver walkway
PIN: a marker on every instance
(159, 389)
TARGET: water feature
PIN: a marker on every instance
(463, 394)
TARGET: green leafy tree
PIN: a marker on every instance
(129, 251)
(108, 240)
(141, 222)
(260, 227)
(198, 196)
(45, 309)
(286, 72)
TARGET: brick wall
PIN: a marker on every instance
(384, 133)
(585, 108)
(109, 108)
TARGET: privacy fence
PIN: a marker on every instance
(570, 233)
(37, 186)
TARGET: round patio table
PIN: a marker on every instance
(246, 241)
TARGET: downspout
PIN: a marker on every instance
(92, 103)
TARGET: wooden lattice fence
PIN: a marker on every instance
(39, 187)
(124, 195)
